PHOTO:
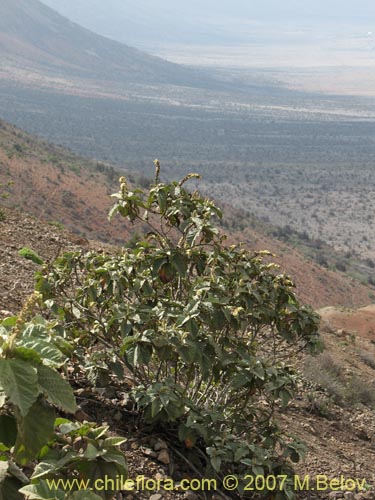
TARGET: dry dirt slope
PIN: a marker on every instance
(17, 273)
(340, 436)
(56, 185)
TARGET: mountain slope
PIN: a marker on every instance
(209, 22)
(141, 23)
(34, 37)
(56, 185)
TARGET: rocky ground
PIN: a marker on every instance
(17, 273)
(340, 435)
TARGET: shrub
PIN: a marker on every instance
(33, 440)
(205, 330)
(29, 254)
(57, 225)
(345, 390)
(368, 358)
(341, 266)
(3, 195)
(325, 373)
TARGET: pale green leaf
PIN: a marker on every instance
(19, 381)
(114, 441)
(41, 491)
(216, 463)
(44, 469)
(57, 390)
(17, 473)
(50, 354)
(2, 397)
(116, 457)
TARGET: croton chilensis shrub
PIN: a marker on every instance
(201, 331)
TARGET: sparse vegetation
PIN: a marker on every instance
(4, 194)
(257, 157)
(56, 224)
(29, 254)
(368, 358)
(345, 388)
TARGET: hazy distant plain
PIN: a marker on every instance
(330, 62)
(322, 45)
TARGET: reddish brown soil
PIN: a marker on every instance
(351, 321)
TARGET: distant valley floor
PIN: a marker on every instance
(292, 158)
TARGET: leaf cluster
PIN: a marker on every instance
(32, 390)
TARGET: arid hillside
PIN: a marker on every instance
(316, 285)
(35, 39)
(333, 412)
(57, 186)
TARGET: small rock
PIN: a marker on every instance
(110, 392)
(4, 312)
(117, 416)
(189, 495)
(99, 390)
(151, 441)
(123, 399)
(163, 457)
(149, 453)
(160, 445)
(81, 416)
(349, 495)
(157, 496)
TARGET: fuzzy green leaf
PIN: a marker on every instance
(34, 431)
(57, 390)
(8, 430)
(48, 352)
(41, 491)
(19, 381)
